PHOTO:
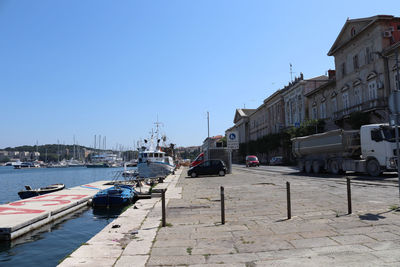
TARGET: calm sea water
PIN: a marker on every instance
(50, 244)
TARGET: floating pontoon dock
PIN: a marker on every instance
(20, 217)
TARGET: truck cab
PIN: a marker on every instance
(378, 147)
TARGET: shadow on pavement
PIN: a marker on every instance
(371, 217)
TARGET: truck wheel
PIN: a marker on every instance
(300, 165)
(316, 167)
(308, 166)
(373, 167)
(334, 167)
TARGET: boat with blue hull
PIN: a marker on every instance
(118, 195)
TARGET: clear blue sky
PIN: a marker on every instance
(109, 68)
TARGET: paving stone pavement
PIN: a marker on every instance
(258, 233)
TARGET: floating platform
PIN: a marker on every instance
(20, 217)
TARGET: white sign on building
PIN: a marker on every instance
(232, 140)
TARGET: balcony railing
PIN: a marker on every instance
(373, 104)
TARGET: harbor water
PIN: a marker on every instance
(50, 244)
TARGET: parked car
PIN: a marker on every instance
(276, 161)
(214, 166)
(252, 161)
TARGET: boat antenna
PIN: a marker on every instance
(157, 123)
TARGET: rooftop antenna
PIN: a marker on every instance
(291, 72)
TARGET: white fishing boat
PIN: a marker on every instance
(153, 162)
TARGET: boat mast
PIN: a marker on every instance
(157, 123)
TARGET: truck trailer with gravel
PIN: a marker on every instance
(372, 150)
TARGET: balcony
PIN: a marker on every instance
(379, 103)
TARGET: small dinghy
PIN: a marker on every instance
(29, 192)
(118, 195)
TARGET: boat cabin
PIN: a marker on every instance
(151, 156)
(154, 156)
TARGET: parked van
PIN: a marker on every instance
(199, 159)
(252, 161)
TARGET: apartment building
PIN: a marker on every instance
(319, 102)
(242, 124)
(275, 112)
(258, 123)
(295, 102)
(363, 77)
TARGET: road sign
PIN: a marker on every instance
(232, 140)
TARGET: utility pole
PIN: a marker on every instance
(397, 119)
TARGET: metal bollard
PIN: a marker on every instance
(222, 205)
(163, 207)
(289, 206)
(348, 196)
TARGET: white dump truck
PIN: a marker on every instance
(372, 149)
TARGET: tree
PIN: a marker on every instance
(5, 159)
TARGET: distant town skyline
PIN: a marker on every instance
(86, 68)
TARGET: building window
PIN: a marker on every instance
(367, 55)
(322, 108)
(343, 69)
(300, 115)
(353, 32)
(345, 99)
(292, 110)
(314, 112)
(372, 92)
(357, 95)
(334, 104)
(355, 62)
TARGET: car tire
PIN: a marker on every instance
(221, 173)
(193, 175)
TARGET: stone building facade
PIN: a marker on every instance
(275, 112)
(258, 123)
(319, 102)
(295, 102)
(362, 82)
(242, 124)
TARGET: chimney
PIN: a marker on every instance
(331, 74)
